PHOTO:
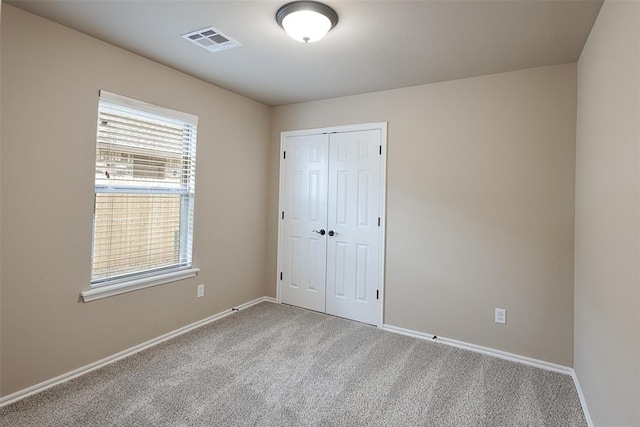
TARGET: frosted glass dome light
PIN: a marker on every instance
(306, 21)
(306, 26)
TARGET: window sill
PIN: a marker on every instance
(134, 285)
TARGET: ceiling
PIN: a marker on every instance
(376, 45)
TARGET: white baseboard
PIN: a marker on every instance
(583, 401)
(502, 355)
(484, 350)
(254, 302)
(37, 388)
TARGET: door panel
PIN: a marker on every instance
(303, 252)
(354, 206)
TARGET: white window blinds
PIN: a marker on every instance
(144, 190)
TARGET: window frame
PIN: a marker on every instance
(126, 282)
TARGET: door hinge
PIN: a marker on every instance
(381, 150)
(377, 293)
(378, 221)
(281, 275)
(284, 154)
(282, 214)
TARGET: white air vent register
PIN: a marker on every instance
(211, 39)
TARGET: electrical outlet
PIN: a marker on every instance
(501, 316)
(200, 291)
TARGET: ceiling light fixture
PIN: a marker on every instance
(306, 21)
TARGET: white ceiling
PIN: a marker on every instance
(376, 45)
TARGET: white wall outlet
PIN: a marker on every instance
(201, 291)
(501, 316)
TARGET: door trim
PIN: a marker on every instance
(382, 127)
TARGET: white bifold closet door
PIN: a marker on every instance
(304, 213)
(330, 231)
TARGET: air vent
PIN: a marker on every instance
(211, 39)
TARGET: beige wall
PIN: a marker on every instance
(0, 203)
(607, 285)
(50, 81)
(480, 198)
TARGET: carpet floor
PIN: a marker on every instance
(275, 365)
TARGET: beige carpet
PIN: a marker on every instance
(275, 365)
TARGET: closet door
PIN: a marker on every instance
(353, 235)
(303, 250)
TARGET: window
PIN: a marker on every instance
(144, 191)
